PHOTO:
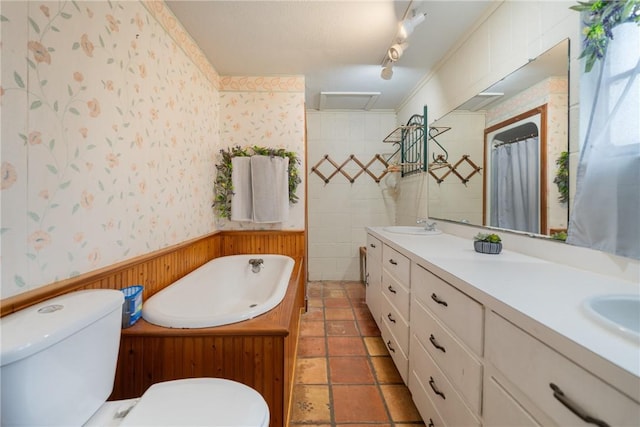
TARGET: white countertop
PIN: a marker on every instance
(543, 298)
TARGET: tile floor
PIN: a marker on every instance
(344, 374)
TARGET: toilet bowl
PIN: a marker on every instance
(58, 361)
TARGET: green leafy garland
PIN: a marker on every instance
(223, 187)
(601, 17)
(562, 176)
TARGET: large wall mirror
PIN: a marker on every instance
(516, 132)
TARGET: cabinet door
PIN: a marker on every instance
(374, 276)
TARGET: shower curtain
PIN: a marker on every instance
(515, 186)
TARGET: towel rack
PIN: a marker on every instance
(339, 168)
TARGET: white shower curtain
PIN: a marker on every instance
(515, 186)
(606, 211)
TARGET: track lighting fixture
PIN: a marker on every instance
(400, 45)
(408, 25)
(395, 51)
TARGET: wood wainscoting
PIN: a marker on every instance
(259, 352)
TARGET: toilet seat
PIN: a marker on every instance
(199, 402)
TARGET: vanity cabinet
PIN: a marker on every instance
(395, 300)
(475, 351)
(546, 387)
(446, 351)
(373, 280)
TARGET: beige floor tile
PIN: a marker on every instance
(399, 403)
(311, 370)
(385, 370)
(375, 346)
(310, 403)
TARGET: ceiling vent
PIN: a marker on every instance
(348, 100)
(481, 101)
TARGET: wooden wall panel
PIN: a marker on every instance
(254, 361)
(290, 243)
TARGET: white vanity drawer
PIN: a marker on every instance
(462, 368)
(374, 248)
(539, 373)
(399, 357)
(423, 402)
(396, 324)
(448, 402)
(396, 264)
(457, 311)
(396, 293)
(501, 410)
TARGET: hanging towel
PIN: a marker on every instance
(270, 184)
(241, 203)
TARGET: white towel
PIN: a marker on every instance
(241, 203)
(270, 184)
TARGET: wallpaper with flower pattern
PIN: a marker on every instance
(268, 119)
(110, 132)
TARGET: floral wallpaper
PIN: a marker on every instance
(111, 123)
(269, 112)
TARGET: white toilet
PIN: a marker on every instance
(58, 362)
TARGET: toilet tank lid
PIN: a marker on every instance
(35, 328)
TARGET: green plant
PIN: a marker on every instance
(562, 176)
(223, 186)
(560, 235)
(601, 17)
(487, 237)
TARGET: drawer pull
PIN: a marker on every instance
(435, 343)
(366, 279)
(372, 245)
(392, 261)
(390, 347)
(391, 318)
(393, 291)
(431, 424)
(432, 383)
(438, 300)
(574, 407)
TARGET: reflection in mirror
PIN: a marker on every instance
(522, 117)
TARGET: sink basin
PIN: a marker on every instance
(407, 229)
(618, 312)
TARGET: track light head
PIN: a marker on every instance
(395, 52)
(387, 72)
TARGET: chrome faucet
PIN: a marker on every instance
(256, 264)
(428, 226)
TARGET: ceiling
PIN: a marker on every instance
(337, 45)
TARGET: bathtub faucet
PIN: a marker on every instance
(256, 264)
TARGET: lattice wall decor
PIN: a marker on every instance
(339, 168)
(440, 163)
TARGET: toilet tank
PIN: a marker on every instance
(58, 358)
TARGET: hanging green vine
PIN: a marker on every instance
(562, 176)
(601, 17)
(223, 187)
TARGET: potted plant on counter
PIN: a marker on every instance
(487, 243)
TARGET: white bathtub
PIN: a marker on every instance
(224, 290)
